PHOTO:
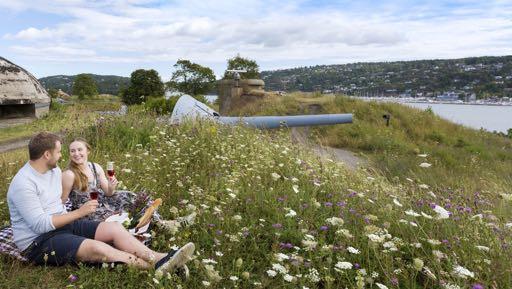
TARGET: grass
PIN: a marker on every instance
(461, 158)
(268, 215)
(60, 118)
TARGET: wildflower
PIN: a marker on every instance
(343, 266)
(277, 226)
(206, 283)
(126, 171)
(423, 155)
(425, 165)
(309, 245)
(376, 238)
(396, 202)
(279, 268)
(72, 278)
(381, 286)
(483, 248)
(288, 278)
(280, 257)
(239, 262)
(324, 228)
(423, 186)
(275, 176)
(461, 272)
(477, 286)
(335, 221)
(442, 213)
(212, 273)
(418, 264)
(313, 275)
(291, 213)
(233, 278)
(295, 189)
(246, 275)
(412, 213)
(271, 273)
(209, 261)
(353, 250)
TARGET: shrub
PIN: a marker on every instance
(161, 105)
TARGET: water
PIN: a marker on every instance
(489, 117)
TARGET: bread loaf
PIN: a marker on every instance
(146, 218)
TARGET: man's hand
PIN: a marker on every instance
(88, 208)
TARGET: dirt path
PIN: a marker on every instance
(350, 159)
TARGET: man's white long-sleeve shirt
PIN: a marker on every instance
(33, 198)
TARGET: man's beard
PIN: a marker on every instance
(51, 166)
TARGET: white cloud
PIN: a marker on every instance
(268, 31)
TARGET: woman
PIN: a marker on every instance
(82, 177)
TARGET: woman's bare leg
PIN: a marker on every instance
(115, 233)
(97, 251)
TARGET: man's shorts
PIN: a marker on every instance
(59, 247)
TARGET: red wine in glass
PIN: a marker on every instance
(94, 194)
(110, 169)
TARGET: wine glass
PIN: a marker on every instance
(110, 170)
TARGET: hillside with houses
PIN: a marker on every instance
(465, 78)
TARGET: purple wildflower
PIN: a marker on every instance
(324, 228)
(285, 245)
(357, 266)
(277, 226)
(477, 286)
(341, 204)
(328, 204)
(72, 278)
(394, 281)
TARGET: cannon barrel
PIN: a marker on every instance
(188, 107)
(268, 122)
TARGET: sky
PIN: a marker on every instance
(116, 37)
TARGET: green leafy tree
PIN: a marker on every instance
(84, 86)
(191, 78)
(241, 63)
(53, 92)
(143, 84)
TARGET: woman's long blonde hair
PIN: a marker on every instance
(81, 181)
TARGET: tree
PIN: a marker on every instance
(240, 63)
(143, 84)
(191, 78)
(84, 86)
(54, 93)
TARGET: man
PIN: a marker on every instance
(47, 234)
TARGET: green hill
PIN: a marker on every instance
(107, 84)
(484, 76)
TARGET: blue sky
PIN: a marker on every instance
(119, 36)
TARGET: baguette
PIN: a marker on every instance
(146, 218)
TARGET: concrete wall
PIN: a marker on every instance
(232, 94)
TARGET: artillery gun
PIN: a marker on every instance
(188, 107)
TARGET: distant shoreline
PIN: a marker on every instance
(428, 101)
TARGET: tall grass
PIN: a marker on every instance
(461, 158)
(272, 215)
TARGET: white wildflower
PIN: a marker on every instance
(442, 213)
(461, 272)
(295, 189)
(275, 176)
(288, 278)
(425, 165)
(335, 221)
(353, 250)
(483, 248)
(381, 286)
(412, 213)
(233, 278)
(279, 268)
(396, 202)
(271, 273)
(423, 186)
(280, 257)
(422, 155)
(343, 266)
(291, 213)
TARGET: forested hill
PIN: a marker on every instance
(484, 76)
(108, 84)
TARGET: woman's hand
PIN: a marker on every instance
(88, 208)
(112, 182)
